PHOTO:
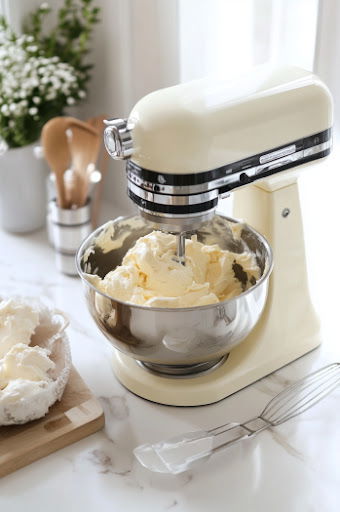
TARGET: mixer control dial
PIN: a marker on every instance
(117, 138)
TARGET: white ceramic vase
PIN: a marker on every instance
(22, 190)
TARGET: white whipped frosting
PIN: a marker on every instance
(19, 389)
(18, 321)
(35, 359)
(151, 275)
(25, 363)
(24, 369)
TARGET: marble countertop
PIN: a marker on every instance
(294, 467)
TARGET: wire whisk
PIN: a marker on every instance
(183, 452)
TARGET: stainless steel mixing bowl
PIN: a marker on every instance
(176, 340)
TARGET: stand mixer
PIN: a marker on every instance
(186, 147)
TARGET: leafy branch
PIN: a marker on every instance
(71, 37)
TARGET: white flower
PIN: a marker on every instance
(32, 48)
(44, 6)
(56, 82)
(8, 92)
(28, 80)
(27, 68)
(51, 96)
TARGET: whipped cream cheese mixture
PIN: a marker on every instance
(23, 368)
(150, 274)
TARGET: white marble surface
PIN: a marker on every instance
(294, 467)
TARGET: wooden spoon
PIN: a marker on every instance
(57, 153)
(84, 142)
(73, 185)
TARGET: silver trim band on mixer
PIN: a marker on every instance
(173, 199)
(230, 178)
(175, 190)
(165, 195)
(318, 148)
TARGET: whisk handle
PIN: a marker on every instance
(232, 433)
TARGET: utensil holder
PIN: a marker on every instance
(67, 228)
(22, 190)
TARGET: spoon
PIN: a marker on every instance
(57, 153)
(73, 185)
(84, 143)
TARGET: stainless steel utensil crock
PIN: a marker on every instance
(177, 340)
(67, 228)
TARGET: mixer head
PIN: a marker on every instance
(187, 146)
(177, 202)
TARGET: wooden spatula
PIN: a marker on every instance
(84, 143)
(73, 186)
(57, 153)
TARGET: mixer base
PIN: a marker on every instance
(231, 375)
(287, 330)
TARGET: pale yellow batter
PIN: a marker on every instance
(150, 274)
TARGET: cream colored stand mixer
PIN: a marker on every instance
(186, 147)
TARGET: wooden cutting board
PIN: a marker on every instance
(76, 416)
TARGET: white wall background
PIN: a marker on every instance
(235, 35)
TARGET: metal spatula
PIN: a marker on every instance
(183, 452)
